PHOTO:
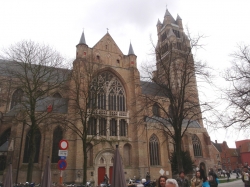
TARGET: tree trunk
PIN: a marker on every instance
(178, 152)
(84, 161)
(32, 151)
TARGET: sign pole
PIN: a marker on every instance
(60, 176)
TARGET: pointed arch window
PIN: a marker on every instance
(102, 126)
(57, 137)
(92, 126)
(57, 95)
(4, 140)
(196, 146)
(113, 127)
(5, 136)
(127, 155)
(29, 147)
(101, 161)
(154, 150)
(156, 110)
(16, 97)
(107, 93)
(123, 127)
(89, 154)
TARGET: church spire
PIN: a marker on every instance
(82, 40)
(168, 18)
(131, 51)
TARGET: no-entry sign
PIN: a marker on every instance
(62, 164)
(63, 144)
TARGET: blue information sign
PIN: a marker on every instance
(63, 157)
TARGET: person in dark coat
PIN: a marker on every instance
(182, 180)
(213, 178)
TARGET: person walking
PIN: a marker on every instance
(197, 180)
(245, 177)
(212, 178)
(182, 180)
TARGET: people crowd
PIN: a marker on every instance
(200, 178)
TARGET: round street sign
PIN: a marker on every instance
(62, 164)
(63, 144)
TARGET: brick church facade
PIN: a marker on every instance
(142, 150)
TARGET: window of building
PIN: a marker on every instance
(113, 127)
(97, 57)
(177, 33)
(29, 147)
(163, 36)
(57, 95)
(154, 150)
(156, 110)
(5, 136)
(164, 48)
(102, 126)
(196, 146)
(57, 137)
(92, 126)
(126, 154)
(123, 127)
(110, 93)
(178, 45)
(3, 159)
(89, 154)
(118, 61)
(102, 160)
(16, 97)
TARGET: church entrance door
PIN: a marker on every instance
(101, 173)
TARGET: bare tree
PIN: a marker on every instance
(84, 94)
(238, 92)
(35, 70)
(171, 99)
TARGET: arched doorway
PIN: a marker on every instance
(104, 165)
(203, 166)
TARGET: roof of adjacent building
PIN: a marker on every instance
(59, 105)
(151, 88)
(185, 122)
(218, 146)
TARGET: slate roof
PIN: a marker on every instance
(130, 51)
(60, 105)
(82, 40)
(151, 88)
(6, 67)
(156, 119)
(218, 146)
(4, 147)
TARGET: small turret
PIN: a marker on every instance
(81, 48)
(159, 26)
(179, 22)
(131, 51)
(132, 56)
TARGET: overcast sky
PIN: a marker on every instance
(59, 23)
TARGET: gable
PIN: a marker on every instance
(106, 43)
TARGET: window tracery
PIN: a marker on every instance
(154, 150)
(196, 146)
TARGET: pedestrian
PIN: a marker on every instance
(197, 180)
(212, 178)
(162, 181)
(202, 172)
(245, 177)
(106, 179)
(182, 180)
(171, 183)
(228, 175)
